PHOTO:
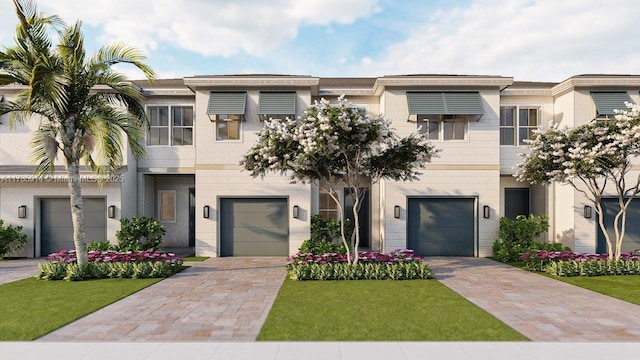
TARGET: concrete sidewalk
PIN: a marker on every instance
(219, 299)
(538, 307)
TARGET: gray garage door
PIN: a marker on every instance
(254, 227)
(57, 228)
(441, 226)
(631, 239)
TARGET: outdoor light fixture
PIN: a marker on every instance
(111, 211)
(296, 211)
(587, 212)
(205, 211)
(22, 211)
(486, 211)
(396, 211)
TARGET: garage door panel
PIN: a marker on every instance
(57, 227)
(441, 226)
(254, 227)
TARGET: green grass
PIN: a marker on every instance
(31, 308)
(378, 310)
(623, 287)
(195, 258)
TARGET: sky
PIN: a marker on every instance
(538, 40)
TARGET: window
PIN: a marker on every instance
(228, 126)
(517, 123)
(444, 127)
(167, 205)
(277, 105)
(170, 125)
(328, 207)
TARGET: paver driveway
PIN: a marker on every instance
(220, 299)
(12, 270)
(540, 308)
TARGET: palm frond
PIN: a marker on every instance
(45, 150)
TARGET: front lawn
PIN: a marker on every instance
(31, 308)
(623, 287)
(378, 310)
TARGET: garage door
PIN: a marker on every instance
(57, 228)
(254, 227)
(441, 226)
(631, 239)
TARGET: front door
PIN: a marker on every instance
(192, 217)
(363, 216)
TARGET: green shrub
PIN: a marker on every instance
(516, 236)
(143, 233)
(361, 271)
(11, 239)
(593, 267)
(101, 246)
(325, 236)
(74, 272)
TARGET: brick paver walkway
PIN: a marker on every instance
(220, 299)
(12, 270)
(540, 308)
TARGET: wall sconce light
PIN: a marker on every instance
(111, 211)
(396, 211)
(22, 211)
(587, 212)
(205, 211)
(296, 211)
(486, 211)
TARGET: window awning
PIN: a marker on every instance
(277, 103)
(607, 101)
(445, 103)
(227, 103)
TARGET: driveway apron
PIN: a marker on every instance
(12, 270)
(220, 299)
(540, 308)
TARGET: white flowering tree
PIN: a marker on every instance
(590, 158)
(337, 145)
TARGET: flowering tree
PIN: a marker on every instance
(335, 145)
(590, 158)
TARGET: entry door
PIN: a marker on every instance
(631, 239)
(516, 202)
(192, 217)
(363, 216)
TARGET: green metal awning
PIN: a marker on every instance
(227, 103)
(607, 101)
(445, 103)
(277, 103)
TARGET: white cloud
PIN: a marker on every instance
(205, 27)
(537, 40)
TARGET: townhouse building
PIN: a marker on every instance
(201, 126)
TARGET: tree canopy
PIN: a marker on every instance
(338, 145)
(592, 158)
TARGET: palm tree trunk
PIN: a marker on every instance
(77, 212)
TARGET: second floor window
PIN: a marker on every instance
(444, 127)
(228, 126)
(170, 125)
(517, 124)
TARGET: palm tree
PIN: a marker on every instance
(84, 107)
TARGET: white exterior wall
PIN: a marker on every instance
(211, 185)
(13, 195)
(469, 168)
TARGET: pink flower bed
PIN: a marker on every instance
(570, 255)
(69, 256)
(396, 256)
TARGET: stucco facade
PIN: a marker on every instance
(192, 182)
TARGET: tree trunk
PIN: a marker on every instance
(603, 228)
(356, 224)
(77, 211)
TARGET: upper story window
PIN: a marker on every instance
(226, 110)
(228, 126)
(444, 127)
(517, 123)
(170, 125)
(608, 101)
(277, 105)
